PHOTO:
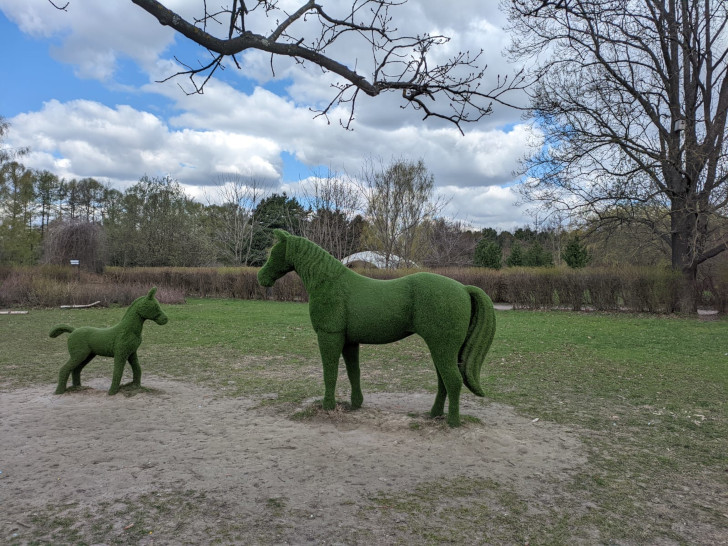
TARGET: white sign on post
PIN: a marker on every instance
(75, 262)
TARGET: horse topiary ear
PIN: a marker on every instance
(281, 234)
(151, 293)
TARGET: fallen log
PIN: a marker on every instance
(80, 306)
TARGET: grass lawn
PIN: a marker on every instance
(648, 394)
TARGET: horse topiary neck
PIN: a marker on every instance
(313, 264)
(132, 319)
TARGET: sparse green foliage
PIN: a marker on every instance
(159, 225)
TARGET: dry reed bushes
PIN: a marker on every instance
(53, 286)
(653, 290)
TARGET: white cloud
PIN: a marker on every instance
(228, 130)
(491, 206)
(91, 35)
(88, 139)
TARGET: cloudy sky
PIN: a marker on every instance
(80, 89)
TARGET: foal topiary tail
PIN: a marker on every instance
(61, 329)
(479, 338)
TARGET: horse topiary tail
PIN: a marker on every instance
(61, 329)
(478, 340)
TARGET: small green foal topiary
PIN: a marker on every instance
(457, 322)
(120, 341)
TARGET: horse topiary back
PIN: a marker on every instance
(347, 309)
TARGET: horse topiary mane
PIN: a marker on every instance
(347, 309)
(120, 342)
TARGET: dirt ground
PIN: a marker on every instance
(176, 463)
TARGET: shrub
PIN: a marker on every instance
(644, 289)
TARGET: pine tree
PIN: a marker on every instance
(576, 254)
(536, 256)
(515, 259)
(488, 254)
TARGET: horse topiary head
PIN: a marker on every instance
(278, 263)
(147, 307)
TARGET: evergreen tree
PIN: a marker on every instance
(277, 211)
(515, 259)
(536, 256)
(488, 254)
(576, 254)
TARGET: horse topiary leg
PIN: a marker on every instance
(438, 408)
(445, 360)
(351, 359)
(76, 372)
(136, 370)
(330, 347)
(119, 362)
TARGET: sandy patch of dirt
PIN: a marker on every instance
(179, 464)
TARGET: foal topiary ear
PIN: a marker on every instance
(281, 234)
(151, 293)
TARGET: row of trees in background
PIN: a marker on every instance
(392, 210)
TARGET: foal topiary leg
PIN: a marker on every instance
(136, 370)
(119, 362)
(66, 370)
(351, 359)
(76, 372)
(330, 347)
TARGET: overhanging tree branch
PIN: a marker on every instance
(451, 91)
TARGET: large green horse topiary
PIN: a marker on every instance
(457, 322)
(120, 341)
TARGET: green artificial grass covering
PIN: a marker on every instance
(120, 342)
(457, 322)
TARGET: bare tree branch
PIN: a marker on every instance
(61, 8)
(450, 91)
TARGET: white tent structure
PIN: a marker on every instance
(369, 258)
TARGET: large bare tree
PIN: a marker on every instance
(400, 207)
(632, 97)
(358, 41)
(235, 226)
(334, 221)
